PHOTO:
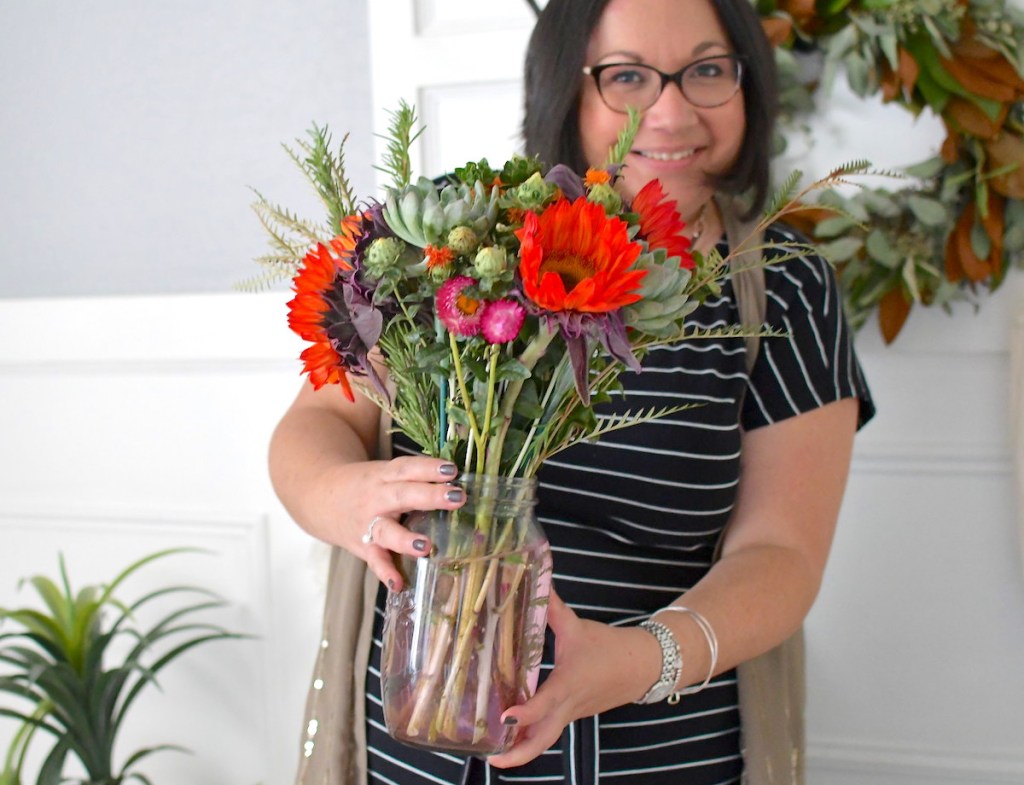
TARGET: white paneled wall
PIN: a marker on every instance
(914, 644)
(135, 424)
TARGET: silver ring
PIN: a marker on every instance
(368, 537)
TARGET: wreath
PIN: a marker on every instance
(959, 227)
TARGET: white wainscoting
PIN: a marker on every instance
(132, 424)
(135, 424)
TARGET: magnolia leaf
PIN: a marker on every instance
(893, 310)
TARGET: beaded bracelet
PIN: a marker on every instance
(709, 636)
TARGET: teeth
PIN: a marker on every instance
(677, 156)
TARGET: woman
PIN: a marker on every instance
(635, 519)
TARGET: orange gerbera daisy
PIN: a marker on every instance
(324, 366)
(307, 317)
(573, 257)
(660, 224)
(344, 243)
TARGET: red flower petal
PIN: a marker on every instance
(573, 257)
(660, 224)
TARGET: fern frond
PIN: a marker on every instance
(783, 194)
(857, 166)
(311, 231)
(287, 232)
(396, 162)
(607, 425)
(260, 283)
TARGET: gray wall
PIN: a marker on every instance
(130, 131)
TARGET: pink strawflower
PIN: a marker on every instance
(501, 320)
(458, 311)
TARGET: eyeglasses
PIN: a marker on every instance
(708, 82)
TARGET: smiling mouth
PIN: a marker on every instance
(678, 155)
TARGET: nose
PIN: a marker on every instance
(671, 110)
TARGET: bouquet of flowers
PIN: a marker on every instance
(503, 303)
(488, 314)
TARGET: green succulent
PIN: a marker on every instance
(55, 670)
(421, 215)
(661, 307)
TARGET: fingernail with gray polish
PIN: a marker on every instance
(419, 545)
(510, 721)
(391, 584)
(448, 469)
(455, 495)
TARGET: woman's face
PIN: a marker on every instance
(677, 143)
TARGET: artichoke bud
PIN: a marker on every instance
(440, 273)
(534, 192)
(462, 240)
(606, 196)
(490, 262)
(382, 255)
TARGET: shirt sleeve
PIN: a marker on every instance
(814, 363)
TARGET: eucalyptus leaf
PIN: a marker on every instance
(833, 227)
(842, 249)
(981, 243)
(878, 247)
(909, 274)
(926, 170)
(928, 211)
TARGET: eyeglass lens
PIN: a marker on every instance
(708, 82)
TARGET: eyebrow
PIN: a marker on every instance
(700, 48)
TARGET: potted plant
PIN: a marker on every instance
(56, 665)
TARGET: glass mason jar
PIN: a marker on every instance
(463, 639)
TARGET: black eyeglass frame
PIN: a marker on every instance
(675, 78)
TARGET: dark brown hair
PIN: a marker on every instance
(553, 77)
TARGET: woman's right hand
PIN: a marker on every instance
(322, 470)
(364, 502)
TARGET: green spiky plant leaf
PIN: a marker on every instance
(57, 670)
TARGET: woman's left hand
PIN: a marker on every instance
(597, 667)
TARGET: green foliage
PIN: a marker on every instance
(963, 62)
(397, 163)
(624, 143)
(61, 683)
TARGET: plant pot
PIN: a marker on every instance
(463, 639)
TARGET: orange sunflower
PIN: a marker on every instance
(307, 316)
(573, 257)
(660, 224)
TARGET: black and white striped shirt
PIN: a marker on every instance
(634, 518)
